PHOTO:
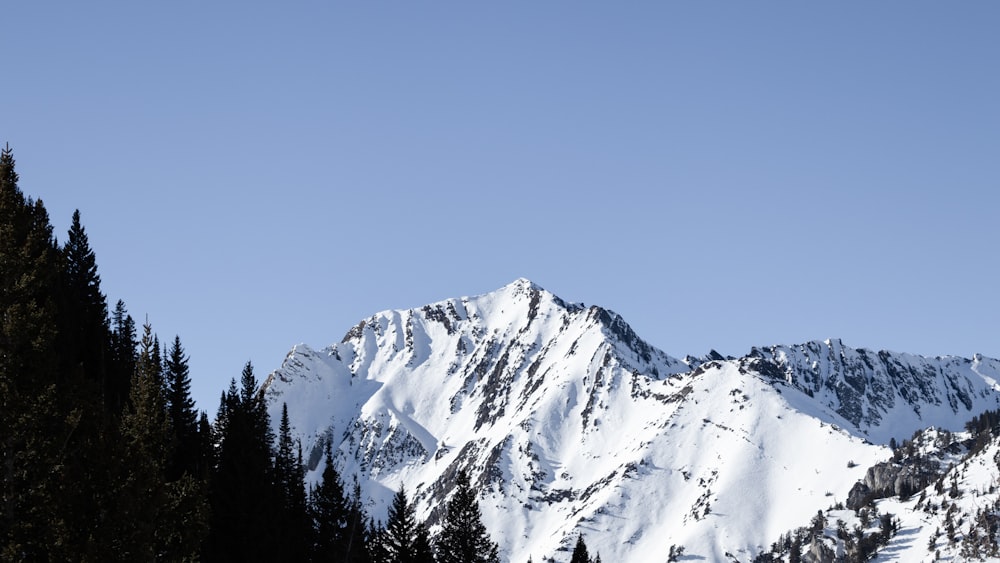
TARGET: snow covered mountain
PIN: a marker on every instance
(569, 423)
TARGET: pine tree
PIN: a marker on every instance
(378, 544)
(329, 513)
(95, 445)
(157, 367)
(795, 553)
(183, 416)
(145, 430)
(84, 330)
(422, 550)
(356, 533)
(246, 504)
(159, 517)
(289, 478)
(406, 539)
(33, 428)
(463, 538)
(206, 447)
(580, 554)
(122, 361)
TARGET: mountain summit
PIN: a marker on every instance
(569, 423)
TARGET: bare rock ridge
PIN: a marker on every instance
(568, 421)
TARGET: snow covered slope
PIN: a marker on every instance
(569, 422)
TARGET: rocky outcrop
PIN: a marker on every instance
(819, 552)
(890, 479)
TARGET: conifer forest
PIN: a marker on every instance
(104, 457)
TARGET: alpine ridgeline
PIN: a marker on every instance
(569, 423)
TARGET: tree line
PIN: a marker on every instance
(104, 457)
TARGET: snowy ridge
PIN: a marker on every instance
(882, 395)
(569, 423)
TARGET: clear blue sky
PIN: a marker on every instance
(723, 174)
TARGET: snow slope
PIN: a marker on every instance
(569, 423)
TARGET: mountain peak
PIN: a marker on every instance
(565, 419)
(522, 284)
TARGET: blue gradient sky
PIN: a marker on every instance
(723, 174)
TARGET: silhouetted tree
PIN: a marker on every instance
(580, 554)
(463, 537)
(33, 429)
(406, 539)
(183, 416)
(245, 500)
(293, 525)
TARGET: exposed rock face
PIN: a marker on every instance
(914, 466)
(819, 552)
(882, 394)
(890, 479)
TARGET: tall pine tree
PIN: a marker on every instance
(406, 540)
(183, 416)
(580, 554)
(34, 430)
(84, 329)
(463, 537)
(289, 475)
(121, 364)
(246, 504)
(161, 517)
(328, 507)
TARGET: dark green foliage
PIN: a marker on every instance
(378, 544)
(83, 310)
(293, 526)
(245, 501)
(987, 420)
(183, 416)
(580, 554)
(463, 537)
(795, 553)
(33, 428)
(122, 358)
(328, 507)
(159, 517)
(356, 532)
(405, 540)
(206, 448)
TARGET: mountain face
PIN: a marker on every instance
(570, 423)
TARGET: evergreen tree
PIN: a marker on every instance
(463, 538)
(422, 550)
(406, 539)
(206, 447)
(183, 416)
(356, 534)
(246, 504)
(157, 367)
(122, 360)
(161, 518)
(95, 452)
(145, 431)
(33, 429)
(289, 477)
(580, 554)
(795, 551)
(378, 544)
(84, 330)
(329, 513)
